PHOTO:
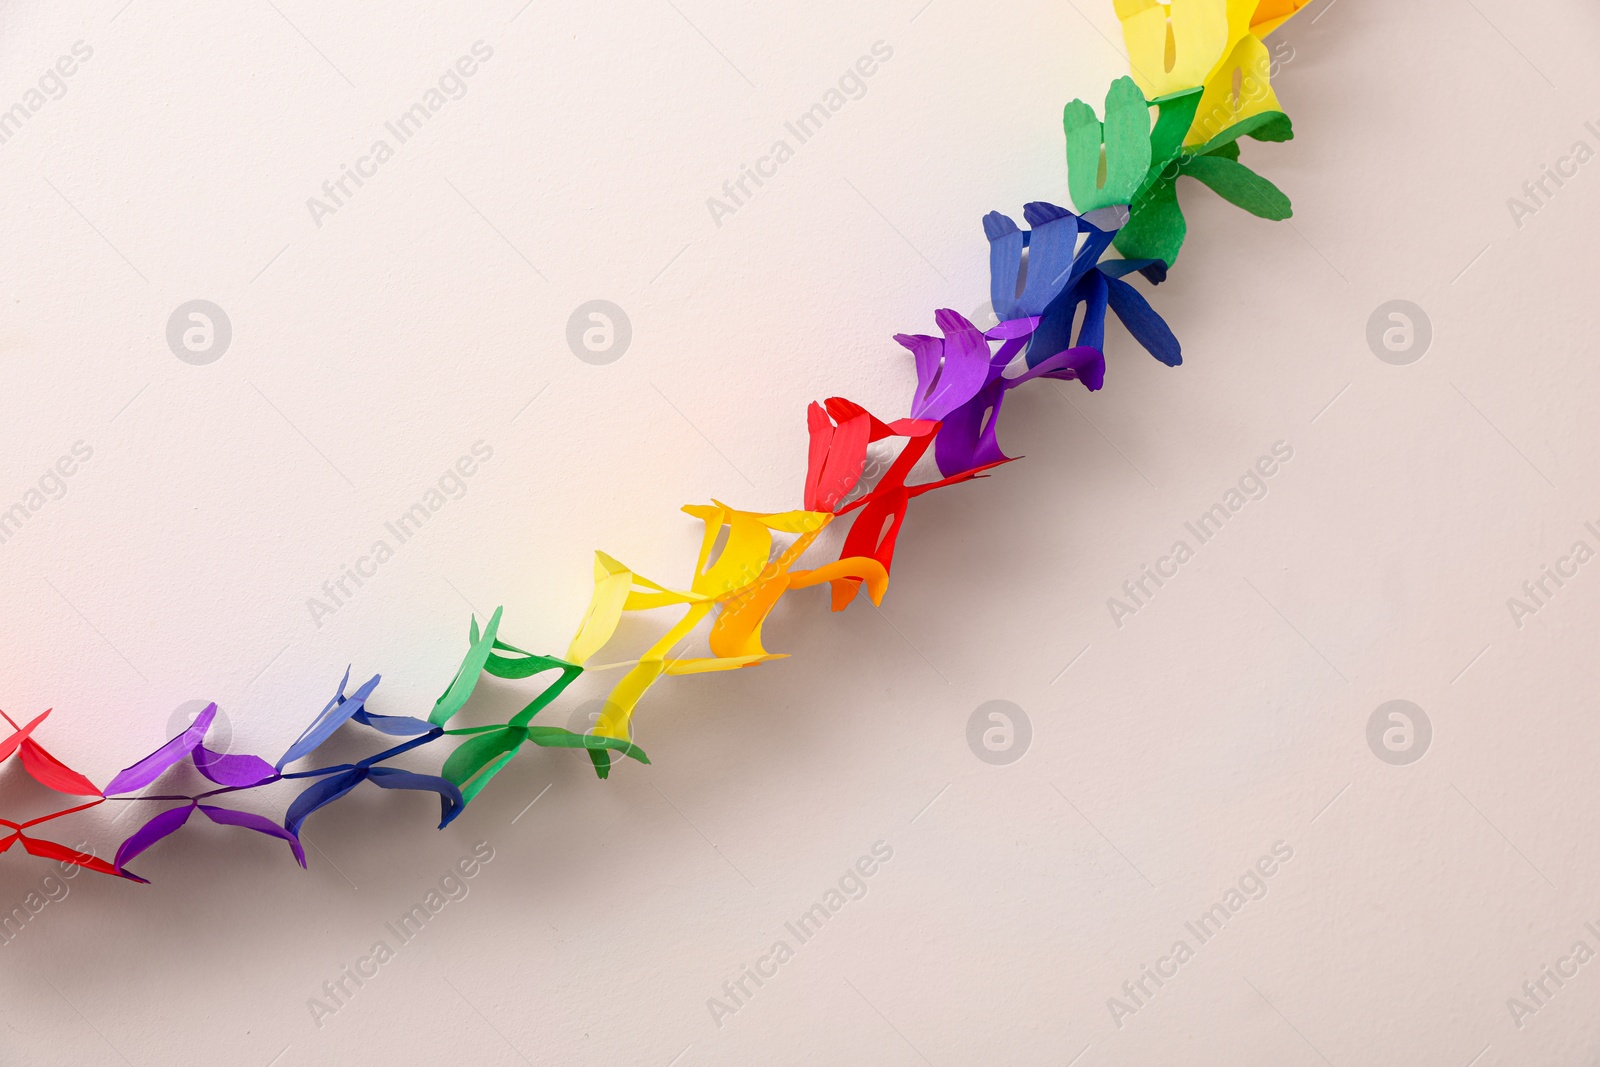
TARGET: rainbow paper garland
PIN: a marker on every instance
(1050, 291)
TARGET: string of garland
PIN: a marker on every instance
(1198, 65)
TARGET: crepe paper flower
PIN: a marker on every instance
(743, 579)
(950, 370)
(335, 782)
(170, 821)
(235, 772)
(1056, 260)
(476, 761)
(838, 453)
(1213, 45)
(1156, 227)
(961, 383)
(1083, 281)
(525, 664)
(40, 765)
(342, 709)
(868, 548)
(472, 765)
(1240, 87)
(51, 850)
(1107, 162)
(746, 553)
(481, 649)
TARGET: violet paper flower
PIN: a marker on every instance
(230, 772)
(171, 820)
(234, 772)
(961, 384)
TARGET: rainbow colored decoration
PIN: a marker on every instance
(1199, 65)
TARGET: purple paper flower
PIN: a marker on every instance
(168, 822)
(962, 382)
(235, 772)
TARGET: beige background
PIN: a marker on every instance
(429, 313)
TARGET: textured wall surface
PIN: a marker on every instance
(1426, 860)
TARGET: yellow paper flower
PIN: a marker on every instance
(1215, 44)
(744, 580)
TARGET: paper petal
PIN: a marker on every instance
(394, 725)
(320, 794)
(260, 824)
(449, 796)
(62, 854)
(1239, 185)
(1148, 328)
(1005, 263)
(333, 715)
(1157, 228)
(241, 771)
(837, 455)
(466, 677)
(151, 767)
(556, 737)
(51, 772)
(1125, 137)
(159, 826)
(1052, 248)
(970, 434)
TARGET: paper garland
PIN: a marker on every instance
(1200, 64)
